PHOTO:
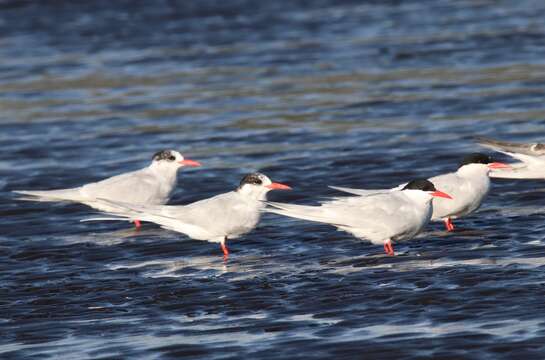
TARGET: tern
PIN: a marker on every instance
(380, 218)
(531, 158)
(152, 185)
(469, 186)
(216, 219)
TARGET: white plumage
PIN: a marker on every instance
(380, 218)
(152, 185)
(216, 219)
(531, 159)
(468, 186)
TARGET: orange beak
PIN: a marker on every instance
(498, 165)
(278, 186)
(441, 194)
(187, 162)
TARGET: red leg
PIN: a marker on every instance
(225, 250)
(388, 248)
(137, 224)
(448, 224)
(451, 225)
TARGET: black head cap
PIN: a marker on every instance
(253, 178)
(164, 155)
(420, 184)
(476, 158)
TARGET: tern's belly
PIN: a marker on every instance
(249, 223)
(461, 205)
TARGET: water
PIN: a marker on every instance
(358, 94)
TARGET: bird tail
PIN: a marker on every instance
(50, 195)
(366, 192)
(304, 212)
(129, 210)
(151, 213)
(123, 211)
(360, 192)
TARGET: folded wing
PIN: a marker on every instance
(137, 187)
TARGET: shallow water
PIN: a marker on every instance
(359, 94)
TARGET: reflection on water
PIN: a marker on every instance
(212, 265)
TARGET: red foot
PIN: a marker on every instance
(388, 248)
(448, 224)
(137, 224)
(225, 250)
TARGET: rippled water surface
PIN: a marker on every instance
(360, 94)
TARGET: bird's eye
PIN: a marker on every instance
(171, 158)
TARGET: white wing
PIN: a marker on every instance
(138, 187)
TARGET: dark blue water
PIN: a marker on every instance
(355, 93)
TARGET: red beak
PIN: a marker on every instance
(441, 194)
(498, 165)
(188, 162)
(278, 186)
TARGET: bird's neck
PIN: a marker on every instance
(253, 193)
(167, 174)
